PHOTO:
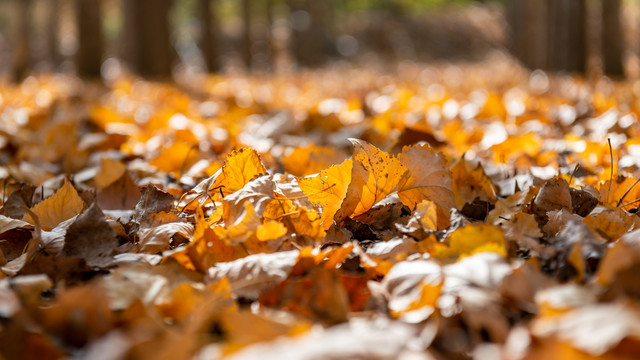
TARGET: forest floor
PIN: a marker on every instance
(426, 213)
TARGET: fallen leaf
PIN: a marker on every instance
(471, 239)
(428, 179)
(110, 171)
(271, 230)
(374, 176)
(153, 200)
(63, 205)
(91, 238)
(328, 189)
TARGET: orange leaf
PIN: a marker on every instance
(270, 230)
(374, 176)
(311, 159)
(328, 189)
(428, 179)
(239, 168)
(110, 171)
(61, 206)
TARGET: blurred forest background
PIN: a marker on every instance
(160, 38)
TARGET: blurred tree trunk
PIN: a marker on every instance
(147, 37)
(53, 26)
(310, 38)
(528, 36)
(90, 43)
(612, 39)
(246, 34)
(567, 35)
(22, 35)
(210, 41)
(271, 46)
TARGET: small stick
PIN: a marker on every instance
(626, 192)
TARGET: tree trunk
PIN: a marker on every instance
(209, 41)
(22, 37)
(528, 32)
(90, 43)
(270, 46)
(310, 37)
(53, 25)
(567, 38)
(147, 43)
(246, 34)
(612, 38)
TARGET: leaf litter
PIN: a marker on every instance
(471, 219)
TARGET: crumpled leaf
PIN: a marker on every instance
(413, 288)
(159, 238)
(63, 205)
(253, 273)
(8, 224)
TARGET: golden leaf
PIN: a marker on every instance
(61, 206)
(328, 189)
(472, 239)
(374, 176)
(311, 159)
(470, 183)
(110, 171)
(239, 168)
(270, 230)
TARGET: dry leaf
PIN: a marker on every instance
(374, 176)
(328, 189)
(428, 179)
(63, 205)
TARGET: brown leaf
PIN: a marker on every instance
(63, 205)
(91, 238)
(153, 200)
(122, 194)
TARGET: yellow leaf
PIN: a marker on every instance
(175, 158)
(328, 189)
(311, 159)
(472, 239)
(374, 176)
(470, 183)
(271, 230)
(428, 215)
(239, 168)
(61, 206)
(110, 171)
